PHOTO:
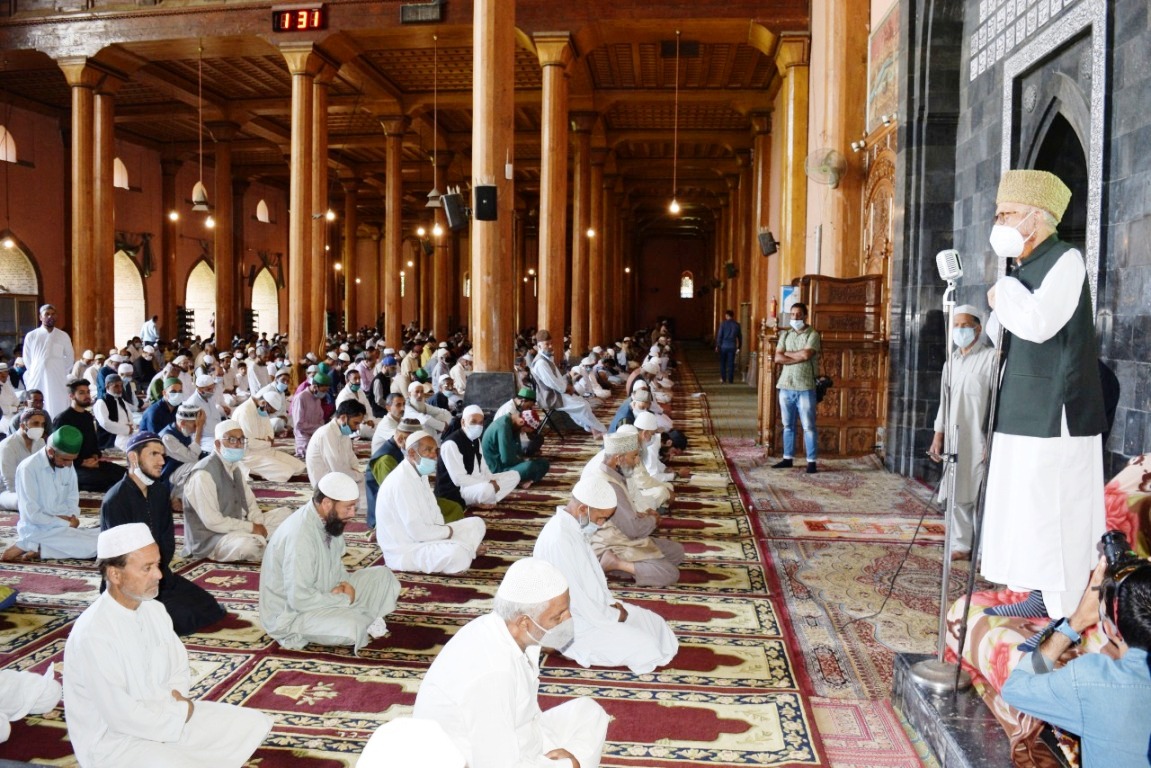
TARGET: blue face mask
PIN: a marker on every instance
(426, 466)
(589, 528)
(281, 386)
(231, 454)
(345, 430)
(963, 337)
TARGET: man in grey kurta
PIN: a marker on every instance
(306, 596)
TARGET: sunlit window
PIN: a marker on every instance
(119, 175)
(262, 212)
(686, 286)
(7, 146)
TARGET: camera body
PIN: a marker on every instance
(1121, 562)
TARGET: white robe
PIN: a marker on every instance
(49, 357)
(45, 495)
(262, 459)
(411, 530)
(330, 451)
(13, 450)
(1044, 512)
(121, 427)
(237, 540)
(641, 643)
(553, 390)
(476, 486)
(431, 418)
(368, 425)
(9, 405)
(484, 691)
(384, 431)
(120, 668)
(25, 693)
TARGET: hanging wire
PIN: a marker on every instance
(675, 134)
(200, 106)
(435, 110)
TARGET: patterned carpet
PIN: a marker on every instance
(736, 694)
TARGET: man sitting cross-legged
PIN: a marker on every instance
(24, 441)
(503, 450)
(608, 633)
(462, 475)
(306, 595)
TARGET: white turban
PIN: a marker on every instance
(646, 421)
(226, 426)
(532, 580)
(338, 486)
(122, 539)
(595, 491)
(616, 443)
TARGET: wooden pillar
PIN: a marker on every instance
(422, 274)
(104, 214)
(169, 236)
(761, 178)
(242, 296)
(792, 61)
(519, 259)
(303, 64)
(555, 54)
(619, 276)
(581, 125)
(442, 263)
(318, 208)
(226, 261)
(493, 140)
(390, 301)
(730, 284)
(597, 298)
(87, 302)
(351, 267)
(605, 234)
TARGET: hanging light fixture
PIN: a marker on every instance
(199, 191)
(674, 206)
(434, 195)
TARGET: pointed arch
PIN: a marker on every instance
(127, 299)
(467, 285)
(19, 291)
(200, 297)
(7, 146)
(262, 213)
(120, 174)
(687, 285)
(266, 302)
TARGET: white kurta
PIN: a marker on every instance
(331, 451)
(384, 431)
(261, 458)
(120, 668)
(411, 530)
(49, 357)
(45, 494)
(121, 427)
(212, 408)
(368, 425)
(238, 540)
(25, 693)
(476, 486)
(653, 463)
(641, 643)
(13, 450)
(484, 691)
(548, 377)
(9, 404)
(431, 418)
(1044, 511)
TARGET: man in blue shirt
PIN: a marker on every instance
(728, 340)
(1103, 701)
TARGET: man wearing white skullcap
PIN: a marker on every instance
(222, 520)
(626, 543)
(968, 378)
(431, 418)
(650, 442)
(127, 678)
(482, 688)
(254, 416)
(462, 475)
(410, 741)
(306, 594)
(608, 633)
(410, 526)
(554, 390)
(646, 492)
(211, 404)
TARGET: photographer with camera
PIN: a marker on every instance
(1103, 700)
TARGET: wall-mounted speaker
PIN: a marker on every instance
(767, 244)
(454, 211)
(485, 208)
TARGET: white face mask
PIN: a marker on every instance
(35, 433)
(797, 325)
(1008, 242)
(558, 637)
(139, 473)
(473, 431)
(963, 337)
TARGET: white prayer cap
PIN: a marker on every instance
(87, 355)
(627, 429)
(122, 539)
(616, 443)
(595, 491)
(344, 347)
(646, 421)
(272, 398)
(188, 412)
(209, 359)
(125, 368)
(639, 384)
(472, 410)
(226, 426)
(415, 438)
(651, 366)
(466, 356)
(442, 352)
(205, 380)
(969, 309)
(180, 360)
(532, 580)
(389, 351)
(408, 741)
(414, 386)
(3, 367)
(641, 395)
(149, 349)
(345, 357)
(332, 355)
(443, 345)
(338, 486)
(597, 350)
(589, 360)
(311, 369)
(443, 377)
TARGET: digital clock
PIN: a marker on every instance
(299, 18)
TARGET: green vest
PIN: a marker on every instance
(1040, 380)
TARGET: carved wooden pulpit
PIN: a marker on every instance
(849, 315)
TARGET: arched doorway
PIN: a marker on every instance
(128, 298)
(1061, 152)
(266, 303)
(20, 294)
(200, 298)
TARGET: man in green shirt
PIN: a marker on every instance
(797, 351)
(502, 449)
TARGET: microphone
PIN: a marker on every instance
(949, 264)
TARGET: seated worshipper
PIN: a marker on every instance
(127, 373)
(9, 400)
(138, 498)
(381, 384)
(503, 451)
(163, 412)
(222, 520)
(446, 397)
(92, 472)
(387, 458)
(608, 633)
(113, 415)
(330, 449)
(182, 450)
(524, 400)
(650, 441)
(49, 502)
(412, 533)
(587, 384)
(308, 410)
(554, 390)
(127, 677)
(353, 391)
(81, 365)
(306, 595)
(30, 398)
(438, 365)
(281, 417)
(1096, 696)
(403, 742)
(462, 475)
(261, 459)
(625, 543)
(640, 400)
(431, 418)
(27, 693)
(394, 405)
(211, 405)
(25, 441)
(483, 686)
(460, 372)
(646, 492)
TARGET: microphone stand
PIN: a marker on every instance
(937, 675)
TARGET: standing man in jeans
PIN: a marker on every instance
(797, 352)
(727, 342)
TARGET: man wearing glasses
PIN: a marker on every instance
(222, 520)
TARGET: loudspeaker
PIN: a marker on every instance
(429, 249)
(485, 208)
(454, 211)
(732, 270)
(767, 244)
